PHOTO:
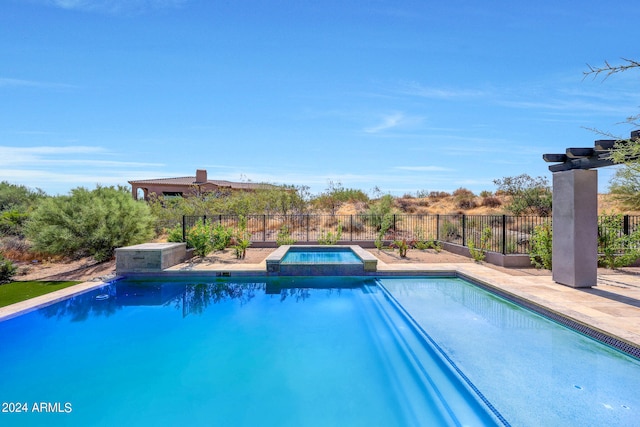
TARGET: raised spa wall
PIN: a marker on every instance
(276, 268)
(150, 257)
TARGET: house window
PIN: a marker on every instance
(170, 194)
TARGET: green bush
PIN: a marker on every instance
(284, 236)
(478, 253)
(541, 246)
(328, 238)
(616, 249)
(16, 203)
(379, 213)
(387, 222)
(174, 234)
(7, 270)
(528, 195)
(449, 231)
(89, 223)
(221, 237)
(199, 238)
(11, 222)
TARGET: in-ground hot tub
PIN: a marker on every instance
(320, 260)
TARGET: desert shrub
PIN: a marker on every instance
(528, 195)
(329, 238)
(438, 195)
(17, 248)
(491, 202)
(355, 226)
(16, 203)
(402, 245)
(284, 236)
(464, 199)
(466, 204)
(478, 251)
(242, 239)
(387, 222)
(379, 212)
(541, 246)
(485, 193)
(407, 205)
(7, 270)
(449, 231)
(335, 195)
(199, 238)
(616, 248)
(12, 222)
(221, 237)
(625, 186)
(423, 242)
(86, 222)
(174, 234)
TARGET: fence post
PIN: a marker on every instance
(264, 227)
(307, 227)
(184, 228)
(351, 227)
(464, 230)
(625, 225)
(437, 227)
(504, 234)
(394, 223)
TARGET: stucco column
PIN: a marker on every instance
(575, 228)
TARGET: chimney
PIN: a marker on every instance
(201, 176)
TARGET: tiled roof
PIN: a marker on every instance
(191, 180)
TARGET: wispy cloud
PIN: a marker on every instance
(6, 82)
(420, 90)
(114, 6)
(54, 168)
(424, 168)
(393, 121)
(34, 157)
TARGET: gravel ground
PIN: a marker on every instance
(86, 269)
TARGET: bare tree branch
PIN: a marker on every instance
(609, 69)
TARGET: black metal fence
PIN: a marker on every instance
(504, 234)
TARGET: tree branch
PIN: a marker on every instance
(609, 69)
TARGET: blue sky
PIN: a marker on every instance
(402, 95)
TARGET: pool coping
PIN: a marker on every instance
(368, 261)
(23, 307)
(608, 319)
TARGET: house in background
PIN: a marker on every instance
(190, 186)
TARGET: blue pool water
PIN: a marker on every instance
(321, 257)
(535, 371)
(304, 352)
(229, 352)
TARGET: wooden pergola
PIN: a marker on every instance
(587, 158)
(575, 210)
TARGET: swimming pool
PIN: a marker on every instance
(233, 352)
(321, 257)
(534, 370)
(321, 260)
(308, 351)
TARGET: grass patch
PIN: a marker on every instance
(19, 291)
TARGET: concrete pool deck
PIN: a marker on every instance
(612, 307)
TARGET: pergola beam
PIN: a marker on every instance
(575, 210)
